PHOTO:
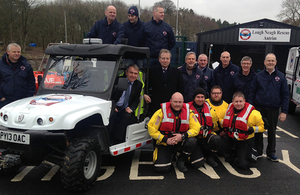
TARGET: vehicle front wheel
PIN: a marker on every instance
(81, 165)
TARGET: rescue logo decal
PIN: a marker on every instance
(50, 100)
(292, 60)
(114, 34)
(170, 115)
(277, 79)
(197, 76)
(132, 11)
(165, 33)
(228, 113)
(232, 73)
(22, 67)
(206, 77)
(245, 34)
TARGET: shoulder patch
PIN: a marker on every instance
(157, 121)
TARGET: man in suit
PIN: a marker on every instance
(125, 105)
(164, 81)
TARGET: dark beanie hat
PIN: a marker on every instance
(133, 11)
(199, 91)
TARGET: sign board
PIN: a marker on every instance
(265, 34)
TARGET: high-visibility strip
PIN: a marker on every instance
(129, 148)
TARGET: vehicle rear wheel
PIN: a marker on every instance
(81, 165)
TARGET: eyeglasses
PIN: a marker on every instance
(216, 93)
(246, 64)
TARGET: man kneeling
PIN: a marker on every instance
(241, 122)
(174, 128)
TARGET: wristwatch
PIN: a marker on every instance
(183, 136)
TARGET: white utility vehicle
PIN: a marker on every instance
(293, 78)
(66, 122)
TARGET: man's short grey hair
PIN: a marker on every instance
(133, 66)
(246, 58)
(12, 44)
(190, 53)
(164, 51)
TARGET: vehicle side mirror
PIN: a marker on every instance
(122, 84)
(39, 79)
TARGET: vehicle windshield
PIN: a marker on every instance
(79, 73)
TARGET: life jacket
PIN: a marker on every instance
(205, 121)
(168, 124)
(237, 123)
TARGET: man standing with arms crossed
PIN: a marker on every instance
(108, 29)
(269, 92)
(157, 35)
(223, 75)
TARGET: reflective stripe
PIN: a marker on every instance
(244, 117)
(256, 129)
(162, 165)
(165, 118)
(187, 115)
(197, 160)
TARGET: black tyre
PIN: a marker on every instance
(292, 107)
(81, 165)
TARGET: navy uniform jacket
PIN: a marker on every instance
(157, 36)
(243, 83)
(224, 78)
(209, 77)
(191, 82)
(270, 91)
(110, 34)
(134, 33)
(16, 83)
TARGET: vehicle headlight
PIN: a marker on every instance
(40, 121)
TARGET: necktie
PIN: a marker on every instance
(127, 95)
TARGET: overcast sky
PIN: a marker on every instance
(230, 10)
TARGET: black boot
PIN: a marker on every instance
(180, 163)
(210, 160)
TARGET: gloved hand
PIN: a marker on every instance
(250, 130)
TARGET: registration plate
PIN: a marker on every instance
(13, 137)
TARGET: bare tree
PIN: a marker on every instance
(27, 12)
(290, 12)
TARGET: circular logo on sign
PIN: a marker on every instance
(245, 34)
